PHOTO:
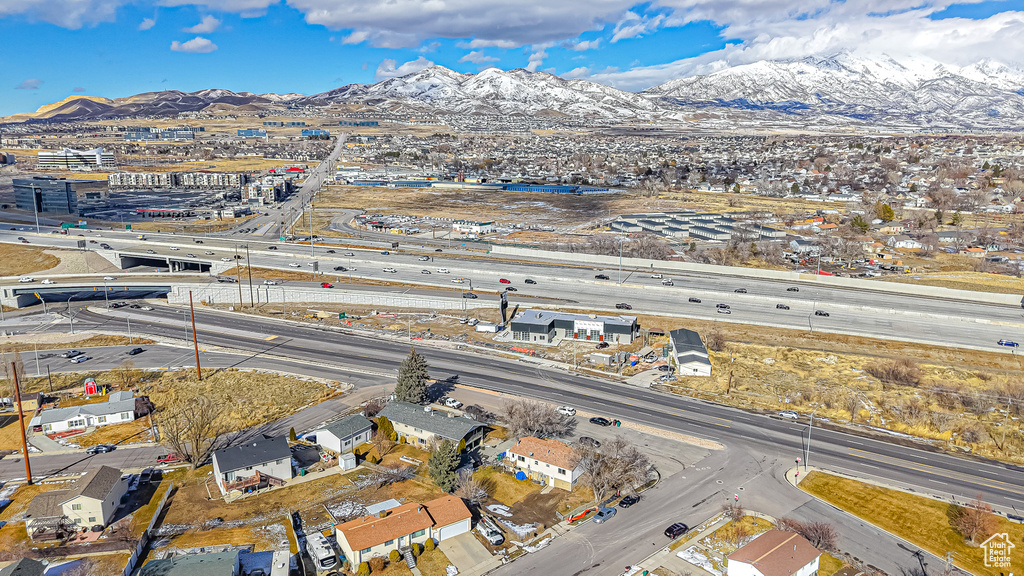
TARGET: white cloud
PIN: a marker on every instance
(477, 57)
(634, 25)
(29, 84)
(536, 59)
(581, 72)
(147, 23)
(583, 45)
(388, 68)
(245, 8)
(197, 45)
(431, 47)
(490, 23)
(71, 14)
(207, 25)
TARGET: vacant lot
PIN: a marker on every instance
(127, 433)
(965, 280)
(922, 521)
(18, 259)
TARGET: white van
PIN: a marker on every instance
(442, 270)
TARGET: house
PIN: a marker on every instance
(93, 501)
(892, 228)
(210, 564)
(420, 424)
(775, 553)
(397, 528)
(903, 241)
(974, 252)
(547, 461)
(265, 461)
(119, 408)
(690, 354)
(345, 434)
(24, 567)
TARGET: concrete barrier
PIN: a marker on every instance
(228, 294)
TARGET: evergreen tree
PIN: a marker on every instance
(387, 428)
(858, 224)
(957, 219)
(292, 436)
(412, 379)
(442, 465)
(938, 217)
(885, 212)
(795, 188)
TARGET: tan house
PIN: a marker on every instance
(93, 501)
(974, 252)
(547, 461)
(397, 528)
(775, 553)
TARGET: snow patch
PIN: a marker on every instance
(501, 510)
(698, 558)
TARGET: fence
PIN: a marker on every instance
(144, 540)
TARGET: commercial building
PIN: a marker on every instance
(690, 354)
(469, 226)
(399, 527)
(45, 194)
(775, 553)
(68, 159)
(6, 158)
(548, 461)
(549, 327)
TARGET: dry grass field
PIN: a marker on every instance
(18, 259)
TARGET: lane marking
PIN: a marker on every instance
(269, 338)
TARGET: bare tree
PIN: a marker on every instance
(733, 510)
(527, 418)
(382, 442)
(126, 374)
(821, 535)
(125, 531)
(191, 427)
(469, 488)
(385, 475)
(974, 521)
(715, 341)
(616, 465)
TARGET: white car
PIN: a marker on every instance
(225, 259)
(269, 282)
(175, 248)
(423, 258)
(567, 410)
(391, 270)
(658, 276)
(789, 414)
(48, 281)
(79, 359)
(457, 281)
(295, 265)
(110, 277)
(442, 270)
(147, 308)
(452, 403)
(424, 271)
(26, 279)
(208, 253)
(349, 254)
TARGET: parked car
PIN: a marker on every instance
(676, 530)
(71, 354)
(326, 285)
(504, 280)
(452, 403)
(623, 306)
(489, 530)
(600, 421)
(695, 300)
(168, 458)
(1009, 343)
(789, 414)
(602, 345)
(665, 368)
(567, 410)
(146, 476)
(782, 307)
(100, 449)
(589, 442)
(135, 351)
(469, 295)
(629, 501)
(602, 277)
(529, 281)
(820, 313)
(792, 289)
(604, 514)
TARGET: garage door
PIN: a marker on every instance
(453, 530)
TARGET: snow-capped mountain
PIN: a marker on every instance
(495, 91)
(918, 92)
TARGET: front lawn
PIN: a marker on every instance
(127, 433)
(433, 563)
(503, 487)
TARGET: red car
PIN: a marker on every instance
(168, 458)
(326, 285)
(504, 281)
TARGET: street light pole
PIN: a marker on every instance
(807, 450)
(620, 258)
(70, 315)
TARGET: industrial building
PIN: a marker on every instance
(315, 132)
(359, 123)
(252, 133)
(46, 194)
(690, 354)
(473, 227)
(68, 159)
(548, 327)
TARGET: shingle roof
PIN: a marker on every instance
(684, 340)
(349, 425)
(96, 484)
(98, 409)
(777, 553)
(47, 505)
(433, 421)
(24, 567)
(213, 564)
(550, 451)
(266, 449)
(370, 530)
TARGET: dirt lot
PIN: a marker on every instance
(963, 280)
(16, 260)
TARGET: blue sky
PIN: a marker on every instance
(115, 48)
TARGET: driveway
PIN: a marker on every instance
(465, 551)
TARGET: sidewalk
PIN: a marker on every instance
(667, 556)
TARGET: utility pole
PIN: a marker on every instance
(21, 422)
(238, 276)
(129, 330)
(807, 451)
(195, 337)
(248, 267)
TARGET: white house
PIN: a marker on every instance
(473, 227)
(119, 408)
(546, 460)
(775, 553)
(690, 354)
(396, 528)
(256, 464)
(93, 501)
(345, 434)
(419, 425)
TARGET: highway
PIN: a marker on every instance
(907, 317)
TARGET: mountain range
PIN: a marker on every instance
(835, 91)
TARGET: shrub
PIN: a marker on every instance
(462, 446)
(364, 569)
(395, 556)
(371, 409)
(372, 459)
(417, 549)
(716, 341)
(429, 544)
(902, 371)
(377, 564)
